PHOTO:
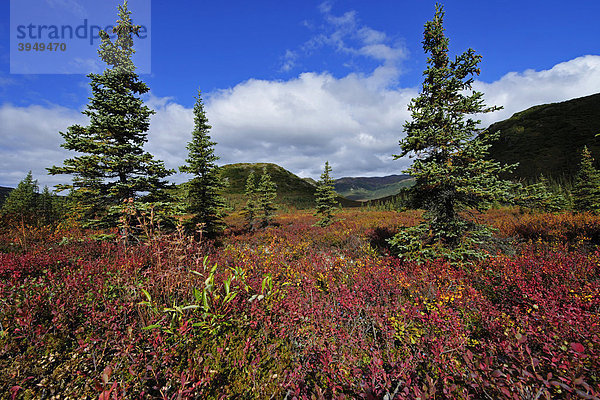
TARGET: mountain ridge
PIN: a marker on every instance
(548, 138)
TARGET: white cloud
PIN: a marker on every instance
(289, 61)
(517, 91)
(303, 122)
(354, 122)
(30, 140)
(345, 34)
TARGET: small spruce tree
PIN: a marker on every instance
(586, 190)
(452, 171)
(204, 199)
(22, 203)
(325, 198)
(251, 208)
(27, 206)
(267, 192)
(112, 165)
(539, 196)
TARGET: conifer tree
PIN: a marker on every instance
(451, 170)
(325, 197)
(586, 190)
(267, 192)
(539, 196)
(113, 166)
(251, 207)
(204, 190)
(25, 205)
(21, 205)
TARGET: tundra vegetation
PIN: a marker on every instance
(107, 294)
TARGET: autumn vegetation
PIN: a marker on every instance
(472, 287)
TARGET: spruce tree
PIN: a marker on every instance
(586, 190)
(204, 190)
(21, 205)
(325, 198)
(539, 196)
(251, 207)
(112, 165)
(267, 192)
(452, 172)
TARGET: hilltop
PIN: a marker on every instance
(548, 138)
(291, 189)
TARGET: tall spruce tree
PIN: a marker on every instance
(113, 165)
(204, 199)
(452, 172)
(586, 190)
(267, 192)
(325, 198)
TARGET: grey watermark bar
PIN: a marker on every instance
(63, 36)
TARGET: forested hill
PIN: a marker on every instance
(291, 189)
(548, 138)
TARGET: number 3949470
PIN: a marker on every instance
(42, 46)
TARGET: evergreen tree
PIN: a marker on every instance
(204, 198)
(113, 165)
(539, 196)
(325, 197)
(267, 192)
(452, 172)
(586, 190)
(21, 205)
(27, 206)
(251, 208)
(47, 207)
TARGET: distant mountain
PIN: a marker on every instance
(291, 189)
(371, 188)
(548, 138)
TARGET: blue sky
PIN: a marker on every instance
(301, 82)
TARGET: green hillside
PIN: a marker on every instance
(548, 138)
(291, 189)
(371, 188)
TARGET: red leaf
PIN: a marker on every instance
(106, 374)
(578, 347)
(106, 394)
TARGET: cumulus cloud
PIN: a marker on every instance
(303, 122)
(517, 91)
(30, 141)
(354, 122)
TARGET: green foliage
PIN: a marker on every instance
(325, 198)
(251, 208)
(260, 200)
(203, 192)
(451, 171)
(112, 166)
(586, 190)
(267, 193)
(27, 206)
(540, 196)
